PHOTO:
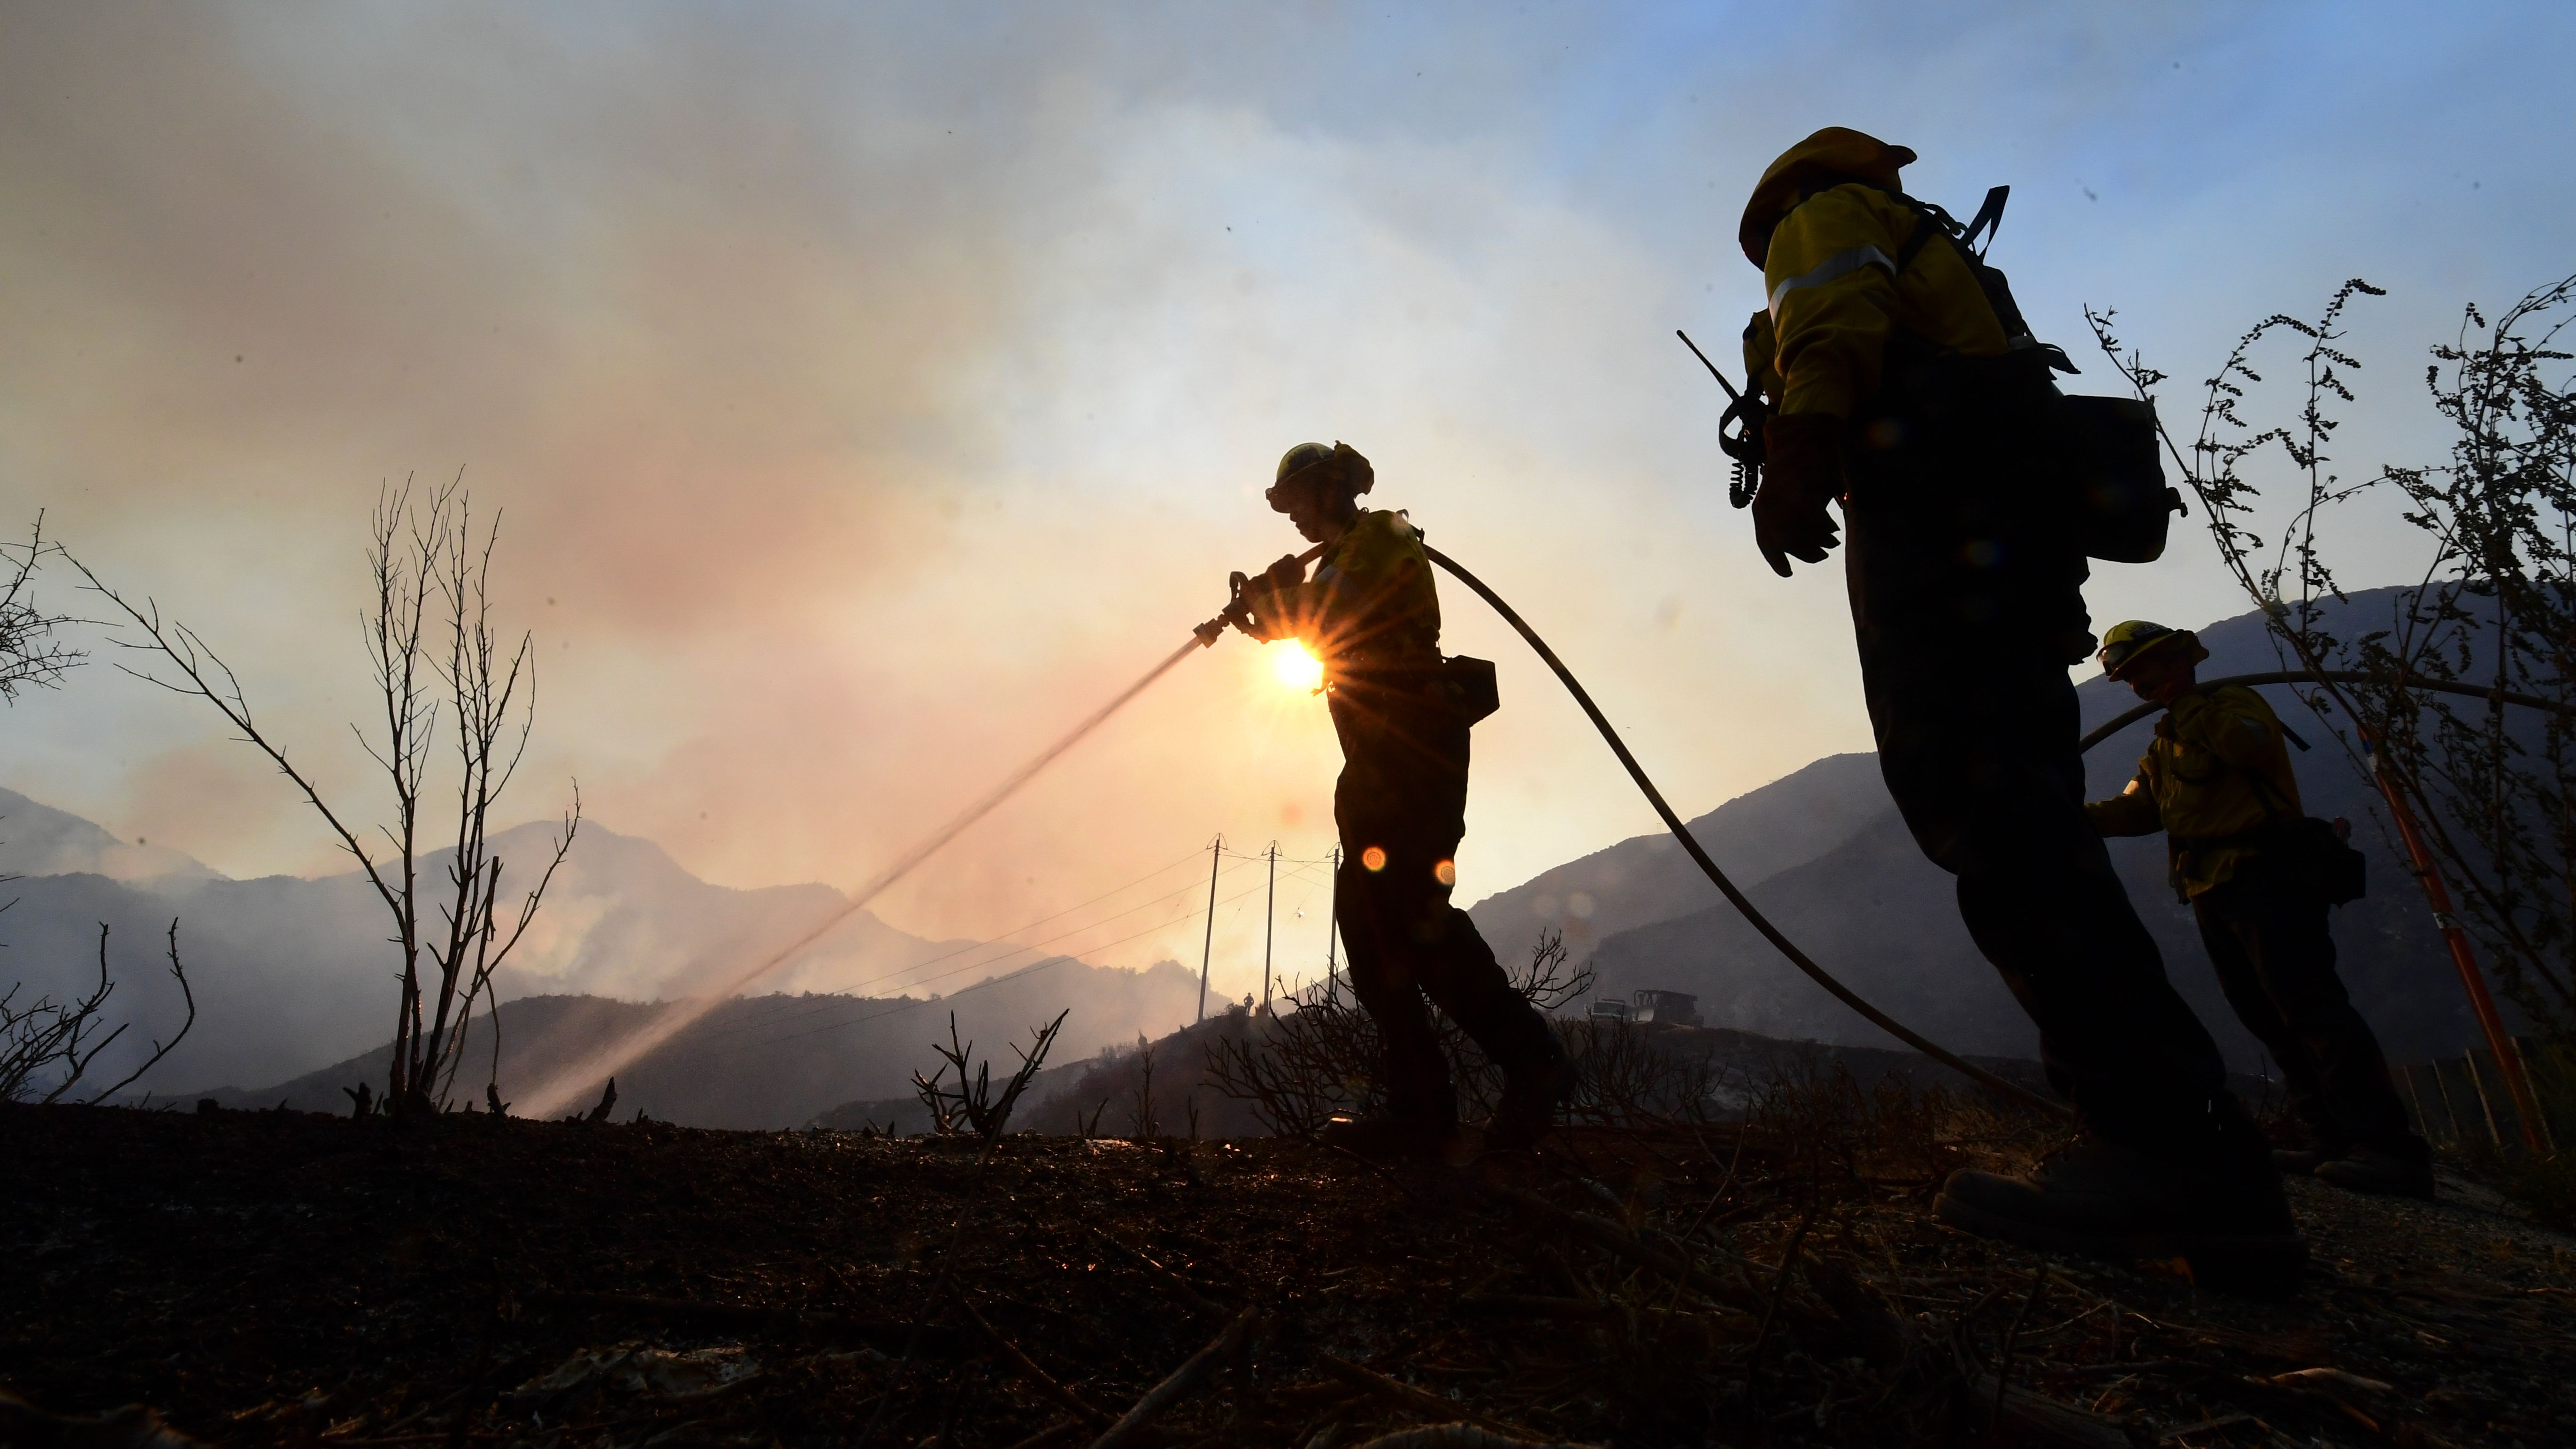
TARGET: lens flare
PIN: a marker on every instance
(1296, 668)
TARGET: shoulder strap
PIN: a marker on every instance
(1931, 221)
(1989, 220)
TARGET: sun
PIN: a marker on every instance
(1295, 668)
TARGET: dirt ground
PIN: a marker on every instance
(283, 1277)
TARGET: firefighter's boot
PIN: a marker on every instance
(2301, 1161)
(1528, 1108)
(2228, 1219)
(2375, 1170)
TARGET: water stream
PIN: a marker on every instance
(577, 1080)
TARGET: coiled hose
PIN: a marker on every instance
(1717, 877)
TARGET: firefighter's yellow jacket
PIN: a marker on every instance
(1831, 281)
(2217, 769)
(1370, 604)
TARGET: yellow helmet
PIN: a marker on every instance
(1307, 456)
(2125, 641)
(1835, 151)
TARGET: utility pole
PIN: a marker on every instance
(1205, 946)
(1269, 923)
(1333, 920)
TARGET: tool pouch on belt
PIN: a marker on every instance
(1458, 686)
(2117, 494)
(1467, 686)
(2304, 853)
(2320, 864)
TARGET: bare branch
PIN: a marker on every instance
(30, 656)
(159, 1049)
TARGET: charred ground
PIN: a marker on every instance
(264, 1277)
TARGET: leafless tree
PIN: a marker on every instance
(971, 1105)
(431, 646)
(1143, 1123)
(31, 657)
(59, 1040)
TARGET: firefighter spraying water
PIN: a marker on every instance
(1402, 713)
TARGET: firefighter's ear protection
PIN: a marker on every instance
(1314, 462)
(1355, 469)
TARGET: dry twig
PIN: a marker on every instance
(1182, 1382)
(1028, 1369)
(1421, 1401)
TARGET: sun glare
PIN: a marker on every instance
(1296, 668)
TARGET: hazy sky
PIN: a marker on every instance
(872, 390)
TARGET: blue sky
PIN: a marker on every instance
(872, 389)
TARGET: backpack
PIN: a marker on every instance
(2118, 507)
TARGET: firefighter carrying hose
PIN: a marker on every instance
(1402, 714)
(1904, 385)
(2217, 781)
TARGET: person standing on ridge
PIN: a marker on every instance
(1903, 383)
(1371, 614)
(2217, 781)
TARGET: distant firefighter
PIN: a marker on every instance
(1903, 384)
(2259, 876)
(1402, 712)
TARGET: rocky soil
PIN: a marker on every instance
(284, 1277)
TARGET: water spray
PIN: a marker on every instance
(575, 1080)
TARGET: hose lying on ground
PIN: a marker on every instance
(1717, 877)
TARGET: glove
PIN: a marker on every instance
(1802, 468)
(1284, 575)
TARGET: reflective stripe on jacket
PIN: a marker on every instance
(1835, 297)
(1371, 602)
(2217, 770)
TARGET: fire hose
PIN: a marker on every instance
(1717, 877)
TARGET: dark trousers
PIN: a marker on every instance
(1401, 806)
(1968, 609)
(2276, 961)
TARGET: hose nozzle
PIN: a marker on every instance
(1214, 629)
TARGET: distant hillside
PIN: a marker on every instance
(1646, 878)
(777, 1061)
(291, 973)
(38, 839)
